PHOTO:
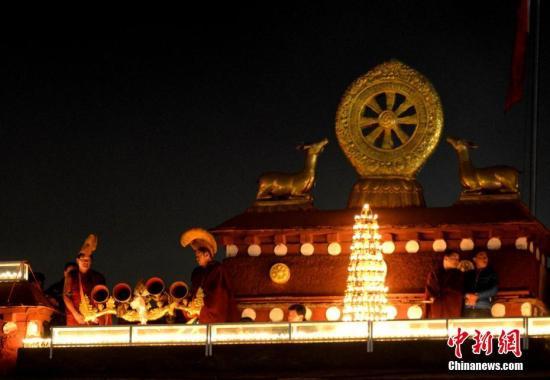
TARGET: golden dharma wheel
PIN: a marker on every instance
(389, 121)
(279, 273)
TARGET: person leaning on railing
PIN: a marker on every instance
(444, 288)
(480, 286)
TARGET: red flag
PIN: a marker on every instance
(515, 89)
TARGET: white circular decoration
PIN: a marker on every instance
(414, 312)
(254, 250)
(307, 249)
(526, 309)
(412, 246)
(309, 313)
(537, 254)
(521, 243)
(249, 313)
(466, 244)
(333, 313)
(531, 247)
(498, 310)
(9, 327)
(334, 249)
(276, 314)
(439, 245)
(280, 249)
(494, 244)
(33, 329)
(391, 311)
(388, 247)
(231, 250)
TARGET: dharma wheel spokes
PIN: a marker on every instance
(389, 126)
(388, 123)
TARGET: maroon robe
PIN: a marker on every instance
(446, 287)
(89, 279)
(219, 303)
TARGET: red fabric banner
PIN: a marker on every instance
(517, 75)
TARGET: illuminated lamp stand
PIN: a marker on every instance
(365, 297)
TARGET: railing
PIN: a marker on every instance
(288, 333)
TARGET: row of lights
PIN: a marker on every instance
(282, 333)
(388, 247)
(466, 244)
(306, 249)
(334, 313)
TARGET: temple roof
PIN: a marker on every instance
(459, 214)
(326, 274)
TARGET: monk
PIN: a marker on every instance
(211, 277)
(80, 282)
(444, 289)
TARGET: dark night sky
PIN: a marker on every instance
(138, 132)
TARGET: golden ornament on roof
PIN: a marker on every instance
(389, 121)
(494, 182)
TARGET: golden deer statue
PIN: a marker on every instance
(490, 180)
(292, 186)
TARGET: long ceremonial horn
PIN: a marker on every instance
(178, 290)
(122, 292)
(199, 237)
(100, 294)
(155, 286)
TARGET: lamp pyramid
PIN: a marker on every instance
(365, 297)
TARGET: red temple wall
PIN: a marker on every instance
(324, 275)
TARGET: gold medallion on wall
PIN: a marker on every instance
(388, 123)
(279, 273)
